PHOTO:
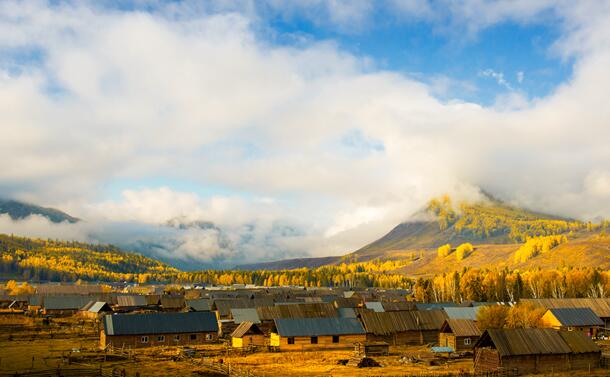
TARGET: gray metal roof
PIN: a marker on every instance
(98, 307)
(462, 313)
(160, 323)
(318, 326)
(375, 306)
(576, 317)
(245, 315)
(65, 302)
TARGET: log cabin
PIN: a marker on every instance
(248, 334)
(158, 329)
(573, 319)
(459, 334)
(403, 328)
(300, 334)
(525, 351)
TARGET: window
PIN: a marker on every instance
(144, 339)
(290, 340)
(314, 340)
(570, 328)
(176, 338)
(193, 336)
(161, 338)
(208, 336)
(335, 338)
(466, 341)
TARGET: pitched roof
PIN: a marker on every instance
(600, 306)
(389, 306)
(97, 306)
(131, 300)
(312, 310)
(65, 302)
(347, 313)
(576, 317)
(199, 304)
(244, 328)
(386, 323)
(514, 342)
(245, 315)
(462, 313)
(160, 323)
(172, 302)
(579, 342)
(461, 327)
(224, 306)
(318, 326)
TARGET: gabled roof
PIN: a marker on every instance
(579, 342)
(387, 323)
(172, 302)
(245, 328)
(517, 342)
(318, 326)
(131, 300)
(313, 310)
(96, 307)
(461, 327)
(160, 323)
(245, 315)
(199, 304)
(462, 313)
(73, 302)
(397, 306)
(576, 317)
(600, 306)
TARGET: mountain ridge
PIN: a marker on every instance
(18, 210)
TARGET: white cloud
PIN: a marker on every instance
(200, 97)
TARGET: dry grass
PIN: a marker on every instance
(32, 348)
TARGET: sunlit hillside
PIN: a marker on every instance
(486, 222)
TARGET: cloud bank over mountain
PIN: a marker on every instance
(310, 149)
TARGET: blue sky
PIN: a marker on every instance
(420, 49)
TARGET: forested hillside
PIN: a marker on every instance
(489, 221)
(68, 261)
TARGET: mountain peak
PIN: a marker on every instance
(20, 210)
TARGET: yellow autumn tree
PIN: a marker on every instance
(444, 250)
(463, 251)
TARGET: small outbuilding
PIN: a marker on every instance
(248, 334)
(95, 309)
(459, 334)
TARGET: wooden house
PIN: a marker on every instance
(600, 306)
(158, 329)
(573, 319)
(459, 334)
(405, 327)
(525, 351)
(95, 310)
(63, 305)
(248, 334)
(298, 334)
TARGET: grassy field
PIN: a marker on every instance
(28, 345)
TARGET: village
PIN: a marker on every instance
(244, 330)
